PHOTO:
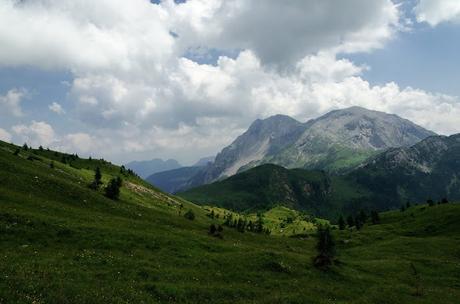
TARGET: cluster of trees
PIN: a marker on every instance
(127, 172)
(67, 159)
(242, 224)
(431, 203)
(213, 215)
(112, 190)
(359, 220)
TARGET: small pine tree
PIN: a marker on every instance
(40, 148)
(430, 202)
(97, 175)
(25, 147)
(408, 205)
(16, 152)
(444, 201)
(375, 217)
(350, 221)
(403, 208)
(363, 216)
(342, 224)
(325, 247)
(358, 223)
(97, 179)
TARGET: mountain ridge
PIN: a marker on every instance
(336, 141)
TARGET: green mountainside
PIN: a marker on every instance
(62, 242)
(428, 170)
(269, 185)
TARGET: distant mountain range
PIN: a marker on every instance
(148, 167)
(335, 142)
(179, 179)
(428, 169)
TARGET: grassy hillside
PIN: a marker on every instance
(268, 185)
(62, 242)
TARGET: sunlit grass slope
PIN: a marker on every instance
(62, 242)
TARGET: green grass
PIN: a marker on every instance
(64, 243)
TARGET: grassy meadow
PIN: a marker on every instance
(62, 242)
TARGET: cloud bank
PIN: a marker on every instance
(134, 86)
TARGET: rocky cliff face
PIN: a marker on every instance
(338, 140)
(263, 139)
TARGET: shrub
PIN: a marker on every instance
(212, 229)
(189, 215)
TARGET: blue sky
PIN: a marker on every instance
(126, 88)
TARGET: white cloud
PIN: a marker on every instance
(56, 108)
(437, 11)
(5, 135)
(10, 103)
(83, 35)
(36, 134)
(280, 32)
(137, 93)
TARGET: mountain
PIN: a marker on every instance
(179, 179)
(345, 138)
(175, 180)
(336, 141)
(60, 239)
(148, 167)
(202, 162)
(269, 185)
(428, 169)
(264, 138)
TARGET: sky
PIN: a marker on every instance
(139, 79)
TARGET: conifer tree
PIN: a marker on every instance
(341, 223)
(325, 247)
(350, 221)
(375, 218)
(363, 216)
(430, 202)
(112, 190)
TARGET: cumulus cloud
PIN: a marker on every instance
(134, 87)
(280, 32)
(35, 134)
(5, 135)
(437, 11)
(56, 108)
(83, 35)
(10, 103)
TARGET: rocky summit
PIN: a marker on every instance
(336, 141)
